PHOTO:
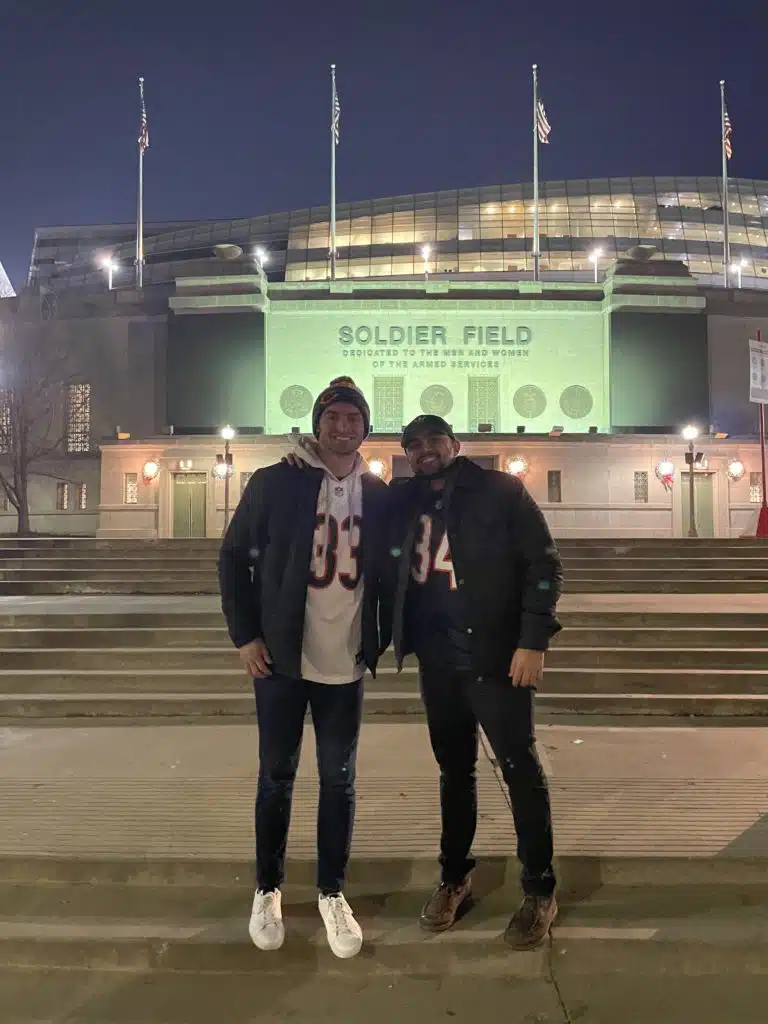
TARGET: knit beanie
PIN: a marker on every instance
(341, 389)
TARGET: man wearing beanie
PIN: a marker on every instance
(299, 578)
(476, 578)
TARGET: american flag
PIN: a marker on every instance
(727, 133)
(143, 126)
(336, 117)
(542, 124)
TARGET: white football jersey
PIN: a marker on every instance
(331, 650)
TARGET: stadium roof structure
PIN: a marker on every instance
(584, 225)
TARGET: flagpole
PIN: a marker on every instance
(726, 218)
(333, 172)
(536, 254)
(140, 203)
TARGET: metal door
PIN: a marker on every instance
(189, 494)
(703, 490)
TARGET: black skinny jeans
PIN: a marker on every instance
(336, 715)
(455, 705)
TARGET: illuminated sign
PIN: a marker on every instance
(434, 334)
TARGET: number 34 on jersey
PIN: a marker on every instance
(424, 561)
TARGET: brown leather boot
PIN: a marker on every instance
(440, 910)
(531, 922)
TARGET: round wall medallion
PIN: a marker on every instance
(436, 400)
(296, 402)
(576, 402)
(529, 402)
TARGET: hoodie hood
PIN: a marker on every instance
(306, 448)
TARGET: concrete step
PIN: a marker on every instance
(187, 637)
(617, 544)
(673, 638)
(153, 571)
(650, 575)
(183, 636)
(567, 656)
(594, 584)
(723, 563)
(584, 586)
(170, 928)
(191, 620)
(115, 620)
(276, 990)
(183, 708)
(192, 681)
(670, 585)
(223, 657)
(98, 563)
(148, 681)
(121, 586)
(579, 874)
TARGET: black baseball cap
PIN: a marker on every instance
(426, 424)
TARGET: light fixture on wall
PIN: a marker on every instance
(150, 471)
(516, 466)
(222, 469)
(378, 467)
(665, 471)
(185, 465)
(736, 470)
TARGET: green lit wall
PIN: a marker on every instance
(470, 361)
(215, 370)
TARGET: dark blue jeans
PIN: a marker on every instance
(281, 705)
(455, 704)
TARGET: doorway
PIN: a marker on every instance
(189, 497)
(703, 489)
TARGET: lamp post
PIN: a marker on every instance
(425, 254)
(738, 269)
(690, 433)
(110, 266)
(594, 257)
(227, 434)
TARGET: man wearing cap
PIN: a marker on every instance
(476, 578)
(299, 576)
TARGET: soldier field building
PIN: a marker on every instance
(582, 382)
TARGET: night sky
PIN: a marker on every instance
(433, 95)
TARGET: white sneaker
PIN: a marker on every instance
(345, 937)
(266, 925)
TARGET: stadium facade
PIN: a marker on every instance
(469, 231)
(585, 382)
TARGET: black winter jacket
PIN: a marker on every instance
(504, 556)
(265, 558)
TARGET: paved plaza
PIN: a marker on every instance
(126, 865)
(163, 791)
